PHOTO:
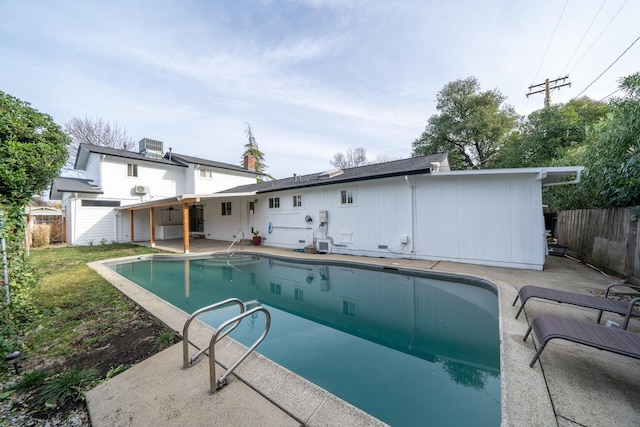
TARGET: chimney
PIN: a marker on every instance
(250, 162)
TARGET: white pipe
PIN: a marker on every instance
(412, 184)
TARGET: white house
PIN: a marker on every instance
(117, 178)
(409, 208)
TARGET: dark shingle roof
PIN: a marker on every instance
(185, 160)
(411, 166)
(176, 159)
(88, 148)
(72, 185)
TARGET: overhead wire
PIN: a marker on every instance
(583, 37)
(597, 38)
(550, 40)
(607, 69)
(611, 94)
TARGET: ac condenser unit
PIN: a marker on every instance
(141, 189)
(323, 246)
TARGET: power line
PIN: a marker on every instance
(597, 38)
(607, 69)
(583, 36)
(611, 94)
(550, 40)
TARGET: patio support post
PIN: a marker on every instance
(131, 225)
(153, 227)
(185, 226)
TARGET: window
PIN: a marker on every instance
(206, 174)
(299, 294)
(101, 203)
(132, 170)
(226, 208)
(297, 200)
(275, 288)
(274, 202)
(348, 197)
(349, 308)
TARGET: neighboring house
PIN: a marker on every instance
(411, 208)
(115, 178)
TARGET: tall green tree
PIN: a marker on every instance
(546, 135)
(610, 155)
(612, 176)
(32, 151)
(251, 147)
(471, 125)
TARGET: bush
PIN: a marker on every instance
(41, 235)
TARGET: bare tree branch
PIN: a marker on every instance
(95, 132)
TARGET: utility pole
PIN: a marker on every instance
(549, 85)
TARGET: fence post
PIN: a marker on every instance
(5, 267)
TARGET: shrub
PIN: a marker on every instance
(41, 235)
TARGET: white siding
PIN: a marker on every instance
(94, 225)
(162, 180)
(483, 219)
(216, 180)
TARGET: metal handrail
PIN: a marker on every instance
(214, 384)
(186, 361)
(241, 234)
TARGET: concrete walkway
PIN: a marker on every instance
(572, 385)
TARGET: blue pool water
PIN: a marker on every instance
(411, 350)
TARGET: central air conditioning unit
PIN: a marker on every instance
(141, 189)
(323, 246)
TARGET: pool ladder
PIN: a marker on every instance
(221, 331)
(239, 238)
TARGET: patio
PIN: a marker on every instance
(571, 385)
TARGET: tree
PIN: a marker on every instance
(95, 132)
(471, 125)
(32, 150)
(610, 155)
(612, 163)
(546, 135)
(251, 147)
(354, 157)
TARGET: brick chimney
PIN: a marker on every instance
(250, 162)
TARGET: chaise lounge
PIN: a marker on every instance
(625, 308)
(548, 326)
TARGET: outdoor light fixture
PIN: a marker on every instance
(12, 359)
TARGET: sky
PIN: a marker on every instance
(312, 77)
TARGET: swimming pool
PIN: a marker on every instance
(408, 349)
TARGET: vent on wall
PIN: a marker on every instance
(323, 246)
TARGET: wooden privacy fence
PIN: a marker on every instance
(606, 238)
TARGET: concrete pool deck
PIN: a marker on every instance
(571, 385)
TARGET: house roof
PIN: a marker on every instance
(410, 166)
(173, 159)
(85, 149)
(72, 185)
(185, 160)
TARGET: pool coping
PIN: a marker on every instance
(312, 405)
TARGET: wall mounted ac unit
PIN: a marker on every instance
(141, 189)
(323, 246)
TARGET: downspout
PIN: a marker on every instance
(411, 183)
(75, 219)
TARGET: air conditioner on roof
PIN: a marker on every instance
(141, 189)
